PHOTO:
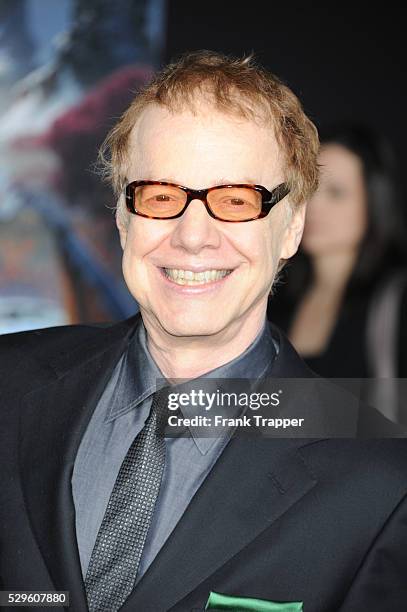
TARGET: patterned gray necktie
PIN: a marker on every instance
(120, 541)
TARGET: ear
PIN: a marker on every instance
(121, 223)
(293, 232)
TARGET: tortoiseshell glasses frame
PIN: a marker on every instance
(268, 199)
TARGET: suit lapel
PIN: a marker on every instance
(254, 482)
(54, 419)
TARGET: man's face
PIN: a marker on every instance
(199, 151)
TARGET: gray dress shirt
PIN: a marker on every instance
(120, 415)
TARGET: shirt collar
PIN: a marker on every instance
(137, 374)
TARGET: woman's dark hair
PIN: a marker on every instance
(383, 248)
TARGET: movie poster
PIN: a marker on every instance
(68, 69)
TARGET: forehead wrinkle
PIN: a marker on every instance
(150, 128)
(209, 119)
(213, 183)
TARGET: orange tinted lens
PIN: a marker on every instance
(159, 200)
(235, 203)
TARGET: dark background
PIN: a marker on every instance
(344, 61)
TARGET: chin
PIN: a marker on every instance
(184, 326)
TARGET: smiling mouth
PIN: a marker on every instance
(188, 277)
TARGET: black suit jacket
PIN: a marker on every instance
(323, 521)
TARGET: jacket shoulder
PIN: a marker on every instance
(48, 340)
(28, 358)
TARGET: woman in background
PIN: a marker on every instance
(343, 299)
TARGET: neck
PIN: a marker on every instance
(332, 271)
(186, 357)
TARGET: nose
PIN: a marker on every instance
(195, 229)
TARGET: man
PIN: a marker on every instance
(213, 164)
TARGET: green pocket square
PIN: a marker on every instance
(217, 601)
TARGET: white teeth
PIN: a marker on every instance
(188, 277)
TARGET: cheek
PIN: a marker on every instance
(337, 224)
(143, 237)
(261, 249)
(140, 242)
(360, 223)
(132, 251)
(350, 224)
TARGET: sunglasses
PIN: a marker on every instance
(232, 203)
